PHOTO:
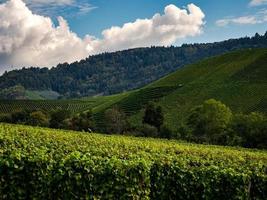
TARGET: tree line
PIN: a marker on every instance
(211, 123)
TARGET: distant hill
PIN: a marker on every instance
(111, 73)
(238, 79)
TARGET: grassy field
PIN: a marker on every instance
(238, 79)
(45, 163)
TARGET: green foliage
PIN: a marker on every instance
(39, 118)
(20, 116)
(147, 130)
(153, 115)
(252, 128)
(82, 122)
(165, 132)
(115, 120)
(58, 119)
(14, 92)
(210, 120)
(39, 163)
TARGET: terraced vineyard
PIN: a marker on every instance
(39, 163)
(75, 106)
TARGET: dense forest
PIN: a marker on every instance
(110, 73)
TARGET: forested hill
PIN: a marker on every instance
(110, 73)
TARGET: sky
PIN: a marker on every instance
(47, 32)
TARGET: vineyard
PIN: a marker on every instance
(74, 106)
(238, 79)
(39, 163)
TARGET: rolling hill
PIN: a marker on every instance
(238, 79)
(111, 73)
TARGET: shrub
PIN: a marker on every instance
(147, 130)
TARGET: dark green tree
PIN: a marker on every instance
(252, 128)
(153, 115)
(20, 117)
(58, 118)
(82, 122)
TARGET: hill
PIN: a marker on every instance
(40, 163)
(238, 79)
(111, 73)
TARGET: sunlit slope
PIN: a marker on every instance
(238, 79)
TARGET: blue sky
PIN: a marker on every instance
(47, 32)
(117, 12)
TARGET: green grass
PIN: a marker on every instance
(238, 79)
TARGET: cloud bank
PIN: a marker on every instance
(28, 39)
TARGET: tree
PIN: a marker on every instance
(38, 118)
(153, 116)
(209, 121)
(82, 122)
(116, 120)
(15, 92)
(252, 128)
(20, 117)
(58, 118)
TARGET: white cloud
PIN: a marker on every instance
(238, 20)
(257, 2)
(28, 39)
(59, 7)
(164, 29)
(258, 18)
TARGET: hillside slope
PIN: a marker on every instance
(238, 79)
(111, 73)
